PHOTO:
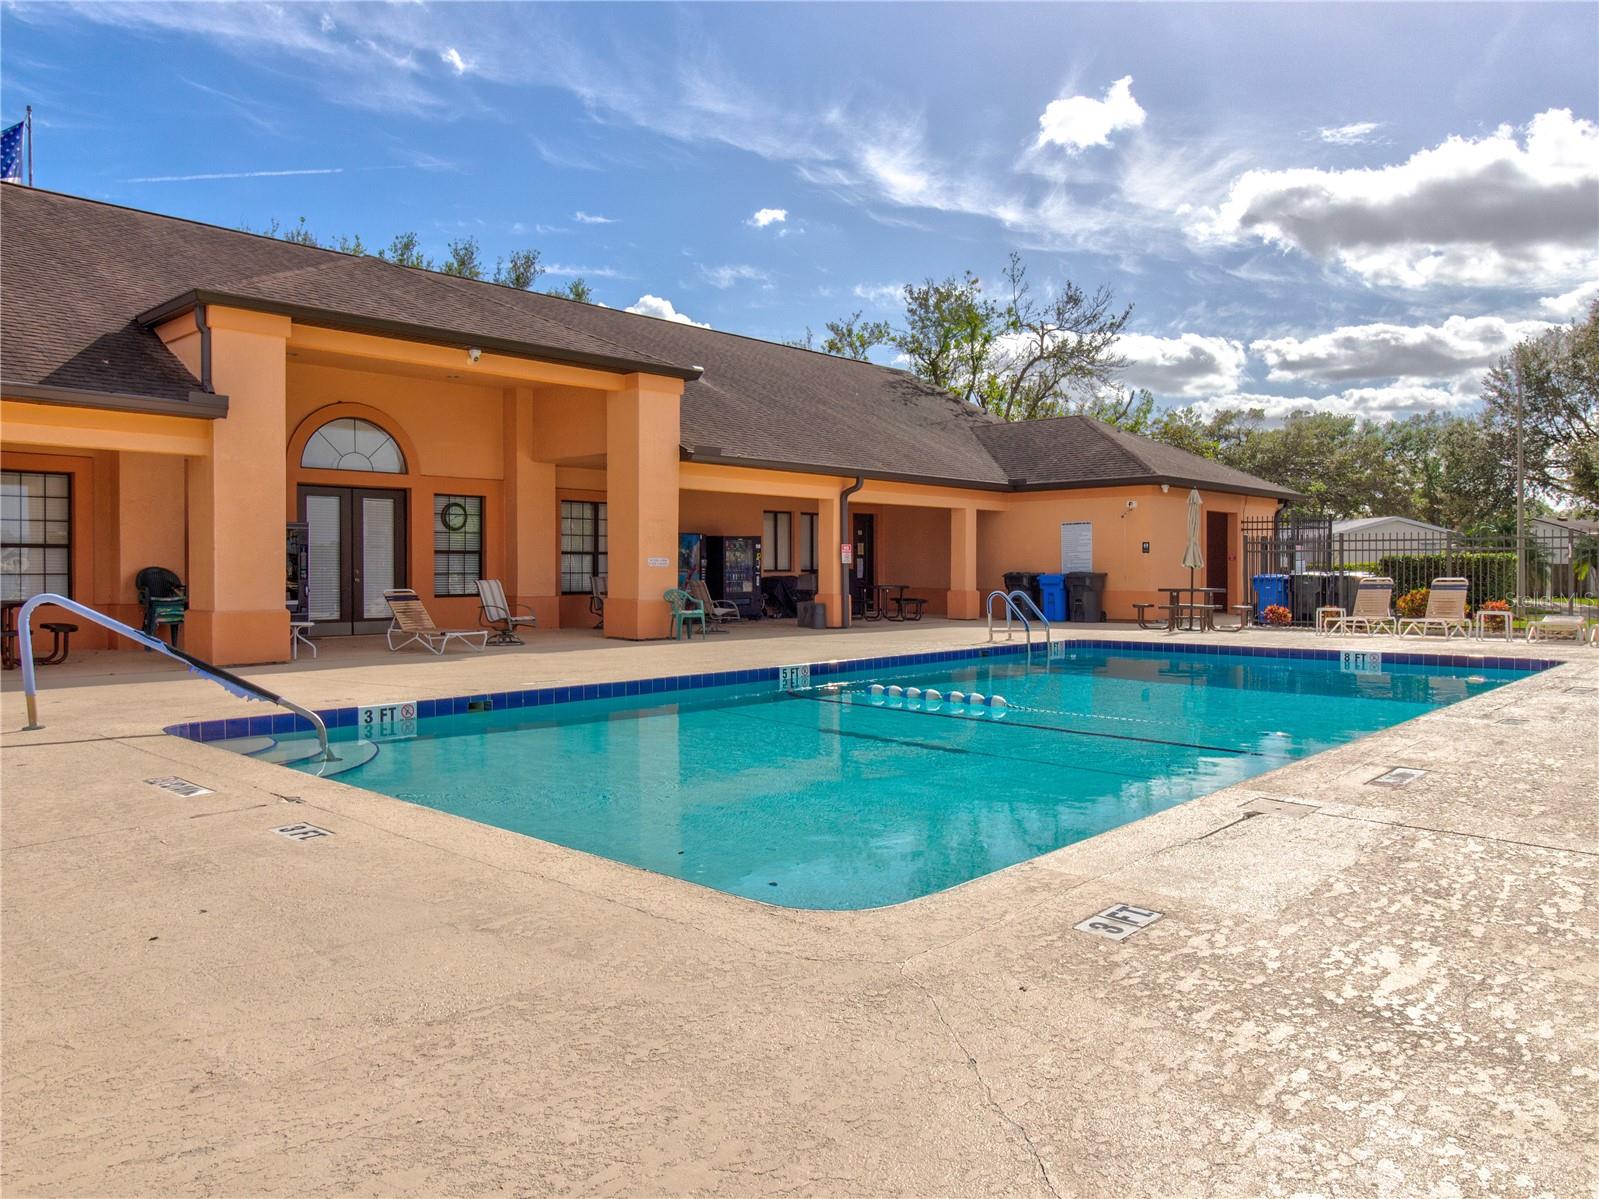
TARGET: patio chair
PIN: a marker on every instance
(1557, 624)
(597, 600)
(720, 611)
(164, 598)
(685, 611)
(496, 613)
(413, 626)
(1373, 612)
(1446, 611)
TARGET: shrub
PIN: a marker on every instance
(1413, 603)
(1495, 606)
(1276, 614)
(1489, 576)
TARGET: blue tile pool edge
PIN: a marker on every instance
(336, 718)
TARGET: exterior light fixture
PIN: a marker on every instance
(473, 353)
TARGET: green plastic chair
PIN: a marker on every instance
(685, 610)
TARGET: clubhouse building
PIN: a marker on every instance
(179, 395)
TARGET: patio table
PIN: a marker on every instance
(887, 604)
(1201, 608)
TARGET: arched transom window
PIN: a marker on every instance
(353, 444)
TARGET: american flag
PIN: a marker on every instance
(11, 153)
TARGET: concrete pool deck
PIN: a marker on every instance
(1373, 991)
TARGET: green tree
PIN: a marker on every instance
(1559, 378)
(521, 272)
(352, 245)
(465, 259)
(578, 289)
(406, 250)
(949, 333)
(853, 337)
(807, 342)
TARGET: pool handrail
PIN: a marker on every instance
(1013, 607)
(227, 680)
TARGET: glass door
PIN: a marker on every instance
(357, 552)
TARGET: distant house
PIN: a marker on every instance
(1399, 533)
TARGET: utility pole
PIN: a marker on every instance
(1521, 491)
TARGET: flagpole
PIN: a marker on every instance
(30, 145)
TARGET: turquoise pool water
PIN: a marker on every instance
(837, 798)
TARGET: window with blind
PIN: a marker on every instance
(807, 541)
(457, 544)
(583, 548)
(777, 542)
(35, 533)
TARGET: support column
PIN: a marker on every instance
(964, 602)
(532, 553)
(237, 497)
(831, 578)
(642, 436)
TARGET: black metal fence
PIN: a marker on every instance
(1305, 563)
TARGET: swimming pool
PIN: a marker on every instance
(843, 795)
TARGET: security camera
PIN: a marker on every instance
(1164, 488)
(473, 353)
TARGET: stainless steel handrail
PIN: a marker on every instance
(1016, 609)
(230, 682)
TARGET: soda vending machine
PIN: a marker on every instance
(733, 572)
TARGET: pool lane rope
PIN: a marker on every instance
(929, 702)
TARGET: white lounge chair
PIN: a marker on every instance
(413, 626)
(1446, 611)
(721, 611)
(495, 612)
(1558, 624)
(1373, 612)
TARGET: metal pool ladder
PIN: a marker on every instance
(1018, 604)
(229, 681)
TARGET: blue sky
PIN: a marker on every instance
(1350, 206)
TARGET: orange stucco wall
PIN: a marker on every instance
(208, 498)
(1027, 537)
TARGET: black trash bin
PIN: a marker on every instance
(1085, 595)
(1025, 581)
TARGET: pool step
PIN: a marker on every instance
(245, 745)
(352, 754)
(285, 753)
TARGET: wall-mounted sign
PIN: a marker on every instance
(657, 561)
(387, 722)
(846, 553)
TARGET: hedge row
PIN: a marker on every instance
(1489, 576)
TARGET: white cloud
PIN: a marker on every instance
(768, 216)
(878, 293)
(1573, 303)
(725, 276)
(451, 58)
(326, 23)
(1373, 403)
(235, 175)
(1349, 135)
(1459, 348)
(1486, 212)
(589, 218)
(587, 272)
(1188, 365)
(662, 308)
(1077, 122)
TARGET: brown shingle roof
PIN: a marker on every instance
(75, 274)
(1079, 451)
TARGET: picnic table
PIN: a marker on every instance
(1199, 612)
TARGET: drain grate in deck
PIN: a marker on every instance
(1119, 922)
(1399, 776)
(183, 787)
(302, 832)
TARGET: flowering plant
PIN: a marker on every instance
(1495, 606)
(1276, 614)
(1413, 603)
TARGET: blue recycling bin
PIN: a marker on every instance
(1269, 590)
(1054, 591)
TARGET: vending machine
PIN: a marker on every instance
(733, 572)
(690, 558)
(297, 591)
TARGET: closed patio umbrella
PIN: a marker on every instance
(1193, 552)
